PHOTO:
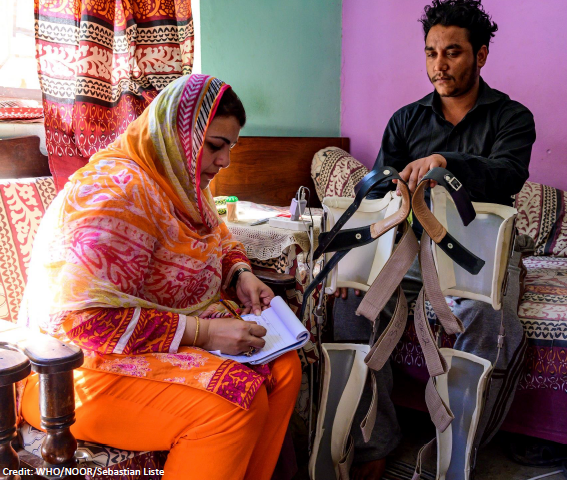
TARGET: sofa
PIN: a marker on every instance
(539, 408)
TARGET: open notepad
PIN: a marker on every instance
(285, 333)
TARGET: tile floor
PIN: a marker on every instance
(492, 464)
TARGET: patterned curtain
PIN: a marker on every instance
(100, 63)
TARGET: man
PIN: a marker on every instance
(485, 140)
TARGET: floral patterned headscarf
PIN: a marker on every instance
(167, 140)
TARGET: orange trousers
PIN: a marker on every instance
(207, 437)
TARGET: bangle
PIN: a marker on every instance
(237, 274)
(196, 332)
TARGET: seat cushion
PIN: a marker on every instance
(335, 173)
(542, 215)
(22, 205)
(543, 309)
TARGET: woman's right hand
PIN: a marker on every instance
(230, 335)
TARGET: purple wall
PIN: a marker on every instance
(383, 68)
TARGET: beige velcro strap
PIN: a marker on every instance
(367, 424)
(384, 346)
(391, 275)
(436, 363)
(425, 452)
(441, 414)
(346, 461)
(450, 323)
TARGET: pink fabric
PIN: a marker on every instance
(22, 205)
(96, 83)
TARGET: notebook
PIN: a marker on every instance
(285, 333)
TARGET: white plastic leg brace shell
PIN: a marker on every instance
(344, 377)
(489, 236)
(361, 265)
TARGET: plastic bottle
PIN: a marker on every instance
(231, 209)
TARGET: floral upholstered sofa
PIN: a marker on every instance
(540, 403)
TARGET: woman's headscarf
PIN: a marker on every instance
(133, 228)
(167, 140)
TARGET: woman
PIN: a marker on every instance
(129, 264)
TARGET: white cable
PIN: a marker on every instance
(545, 475)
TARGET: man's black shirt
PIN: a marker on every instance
(488, 150)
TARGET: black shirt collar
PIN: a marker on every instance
(486, 96)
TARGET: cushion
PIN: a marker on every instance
(335, 173)
(541, 215)
(22, 205)
(20, 109)
(544, 303)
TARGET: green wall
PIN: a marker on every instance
(282, 57)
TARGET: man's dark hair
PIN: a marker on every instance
(467, 14)
(230, 105)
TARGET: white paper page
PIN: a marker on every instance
(279, 338)
(294, 326)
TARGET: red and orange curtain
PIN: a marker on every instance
(100, 63)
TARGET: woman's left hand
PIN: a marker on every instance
(253, 293)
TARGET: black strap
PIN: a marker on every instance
(349, 238)
(338, 256)
(455, 250)
(455, 188)
(373, 178)
(461, 255)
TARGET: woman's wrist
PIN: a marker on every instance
(237, 274)
(196, 332)
(243, 276)
(204, 336)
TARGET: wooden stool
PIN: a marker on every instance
(14, 366)
(54, 361)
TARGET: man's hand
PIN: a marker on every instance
(253, 293)
(415, 171)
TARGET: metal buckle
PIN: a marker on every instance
(454, 183)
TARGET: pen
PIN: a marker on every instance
(230, 308)
(260, 222)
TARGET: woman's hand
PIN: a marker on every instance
(253, 293)
(230, 335)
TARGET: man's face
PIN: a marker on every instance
(452, 67)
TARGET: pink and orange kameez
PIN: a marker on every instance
(127, 251)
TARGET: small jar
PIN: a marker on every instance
(231, 209)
